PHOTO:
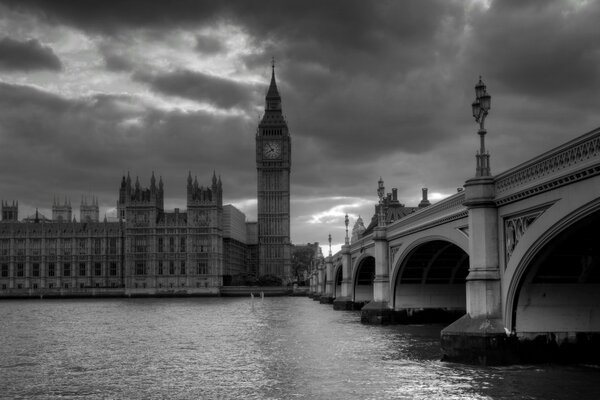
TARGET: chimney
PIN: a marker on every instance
(394, 194)
(424, 202)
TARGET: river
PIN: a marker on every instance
(236, 348)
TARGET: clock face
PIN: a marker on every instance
(272, 150)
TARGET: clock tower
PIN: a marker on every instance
(273, 161)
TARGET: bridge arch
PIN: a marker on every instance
(363, 273)
(430, 274)
(554, 275)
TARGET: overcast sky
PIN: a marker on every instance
(90, 90)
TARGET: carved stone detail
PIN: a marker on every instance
(515, 227)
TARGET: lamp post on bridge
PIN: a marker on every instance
(380, 194)
(479, 335)
(343, 300)
(327, 296)
(481, 108)
(346, 221)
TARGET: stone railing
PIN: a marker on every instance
(570, 155)
(439, 211)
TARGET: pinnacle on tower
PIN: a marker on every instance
(273, 92)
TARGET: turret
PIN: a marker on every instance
(89, 212)
(10, 212)
(424, 202)
(62, 212)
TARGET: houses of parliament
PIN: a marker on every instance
(149, 250)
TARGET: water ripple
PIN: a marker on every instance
(276, 348)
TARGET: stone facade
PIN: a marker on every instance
(148, 250)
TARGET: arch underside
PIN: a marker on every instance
(559, 292)
(337, 283)
(432, 276)
(363, 282)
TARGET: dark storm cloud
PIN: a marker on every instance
(551, 48)
(369, 89)
(27, 55)
(221, 92)
(54, 145)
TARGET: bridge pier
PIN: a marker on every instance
(479, 336)
(344, 302)
(378, 311)
(313, 285)
(327, 296)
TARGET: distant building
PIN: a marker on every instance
(147, 249)
(393, 210)
(235, 240)
(304, 257)
(89, 212)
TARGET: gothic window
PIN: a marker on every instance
(20, 269)
(4, 271)
(81, 269)
(51, 247)
(66, 246)
(81, 246)
(171, 244)
(182, 245)
(35, 269)
(20, 247)
(50, 285)
(112, 245)
(36, 245)
(183, 268)
(97, 269)
(113, 269)
(35, 285)
(5, 247)
(202, 267)
(161, 245)
(140, 268)
(171, 268)
(66, 269)
(66, 285)
(160, 268)
(140, 244)
(51, 270)
(97, 246)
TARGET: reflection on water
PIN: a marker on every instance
(219, 348)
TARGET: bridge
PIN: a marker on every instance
(512, 261)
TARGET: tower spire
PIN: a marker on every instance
(273, 98)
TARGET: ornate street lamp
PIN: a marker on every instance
(347, 221)
(381, 193)
(481, 107)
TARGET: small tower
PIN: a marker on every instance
(358, 229)
(89, 212)
(140, 205)
(10, 212)
(62, 212)
(424, 202)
